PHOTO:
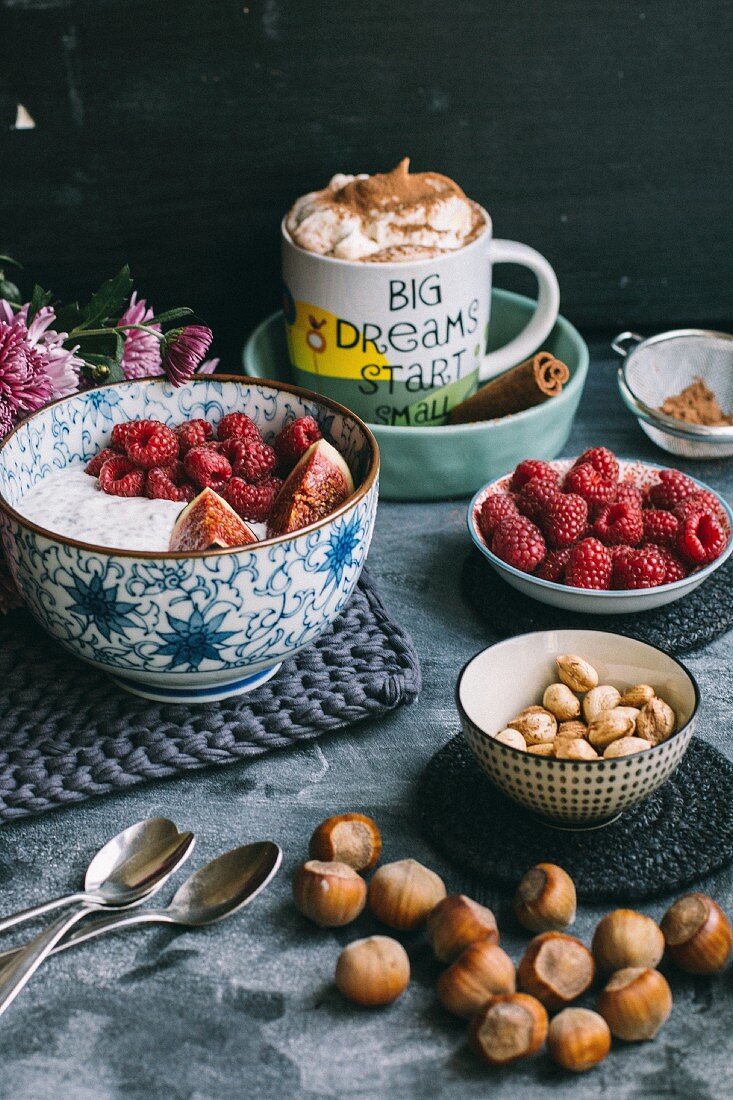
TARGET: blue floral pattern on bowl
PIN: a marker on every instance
(202, 626)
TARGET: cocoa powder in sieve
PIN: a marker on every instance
(696, 404)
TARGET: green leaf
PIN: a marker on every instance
(39, 298)
(119, 347)
(116, 373)
(109, 299)
(68, 317)
(7, 289)
(9, 260)
(170, 315)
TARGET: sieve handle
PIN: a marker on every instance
(625, 341)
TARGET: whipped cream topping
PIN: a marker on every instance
(394, 216)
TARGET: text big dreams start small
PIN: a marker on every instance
(445, 334)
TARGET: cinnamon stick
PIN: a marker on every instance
(532, 382)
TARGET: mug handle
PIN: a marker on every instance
(539, 327)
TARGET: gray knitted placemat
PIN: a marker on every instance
(67, 734)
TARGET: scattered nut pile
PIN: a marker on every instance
(605, 723)
(480, 982)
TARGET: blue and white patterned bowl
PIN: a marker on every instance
(185, 627)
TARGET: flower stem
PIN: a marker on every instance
(77, 333)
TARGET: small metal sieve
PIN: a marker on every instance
(666, 364)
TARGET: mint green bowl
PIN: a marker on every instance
(456, 460)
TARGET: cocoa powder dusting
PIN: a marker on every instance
(396, 189)
(696, 404)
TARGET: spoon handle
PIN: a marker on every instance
(22, 968)
(99, 926)
(39, 910)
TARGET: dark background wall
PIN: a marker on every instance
(174, 133)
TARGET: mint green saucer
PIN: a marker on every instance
(456, 460)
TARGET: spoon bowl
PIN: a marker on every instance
(226, 884)
(140, 857)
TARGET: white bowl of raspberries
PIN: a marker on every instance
(600, 534)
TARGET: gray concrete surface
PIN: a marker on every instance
(247, 1008)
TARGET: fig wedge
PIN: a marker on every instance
(209, 522)
(318, 484)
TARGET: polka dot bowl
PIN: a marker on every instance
(499, 682)
(586, 600)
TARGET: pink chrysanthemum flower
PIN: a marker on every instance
(24, 382)
(141, 356)
(62, 364)
(208, 366)
(185, 349)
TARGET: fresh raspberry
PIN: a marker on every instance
(644, 567)
(672, 487)
(602, 460)
(660, 526)
(589, 565)
(553, 567)
(252, 502)
(619, 523)
(535, 495)
(169, 483)
(149, 443)
(702, 538)
(676, 568)
(207, 468)
(237, 426)
(702, 501)
(95, 464)
(495, 508)
(532, 467)
(193, 434)
(519, 542)
(630, 494)
(120, 432)
(589, 484)
(564, 520)
(295, 439)
(252, 458)
(120, 477)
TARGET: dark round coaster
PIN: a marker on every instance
(679, 627)
(673, 838)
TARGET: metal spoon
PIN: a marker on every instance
(215, 891)
(124, 860)
(130, 881)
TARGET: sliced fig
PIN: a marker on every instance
(318, 484)
(207, 522)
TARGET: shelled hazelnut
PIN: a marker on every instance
(330, 894)
(508, 1028)
(404, 893)
(572, 730)
(373, 971)
(348, 838)
(560, 701)
(609, 726)
(603, 697)
(556, 969)
(637, 696)
(481, 970)
(656, 721)
(625, 938)
(537, 726)
(626, 746)
(575, 749)
(513, 738)
(576, 672)
(545, 900)
(635, 1003)
(455, 923)
(697, 934)
(578, 1039)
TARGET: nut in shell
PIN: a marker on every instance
(513, 738)
(656, 721)
(625, 746)
(603, 697)
(637, 696)
(576, 672)
(373, 971)
(561, 702)
(574, 748)
(609, 726)
(537, 727)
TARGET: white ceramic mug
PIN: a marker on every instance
(402, 343)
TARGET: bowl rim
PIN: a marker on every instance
(521, 753)
(603, 593)
(168, 555)
(670, 425)
(441, 431)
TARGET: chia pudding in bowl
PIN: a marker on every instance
(188, 572)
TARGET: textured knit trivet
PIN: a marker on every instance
(679, 627)
(67, 733)
(680, 833)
